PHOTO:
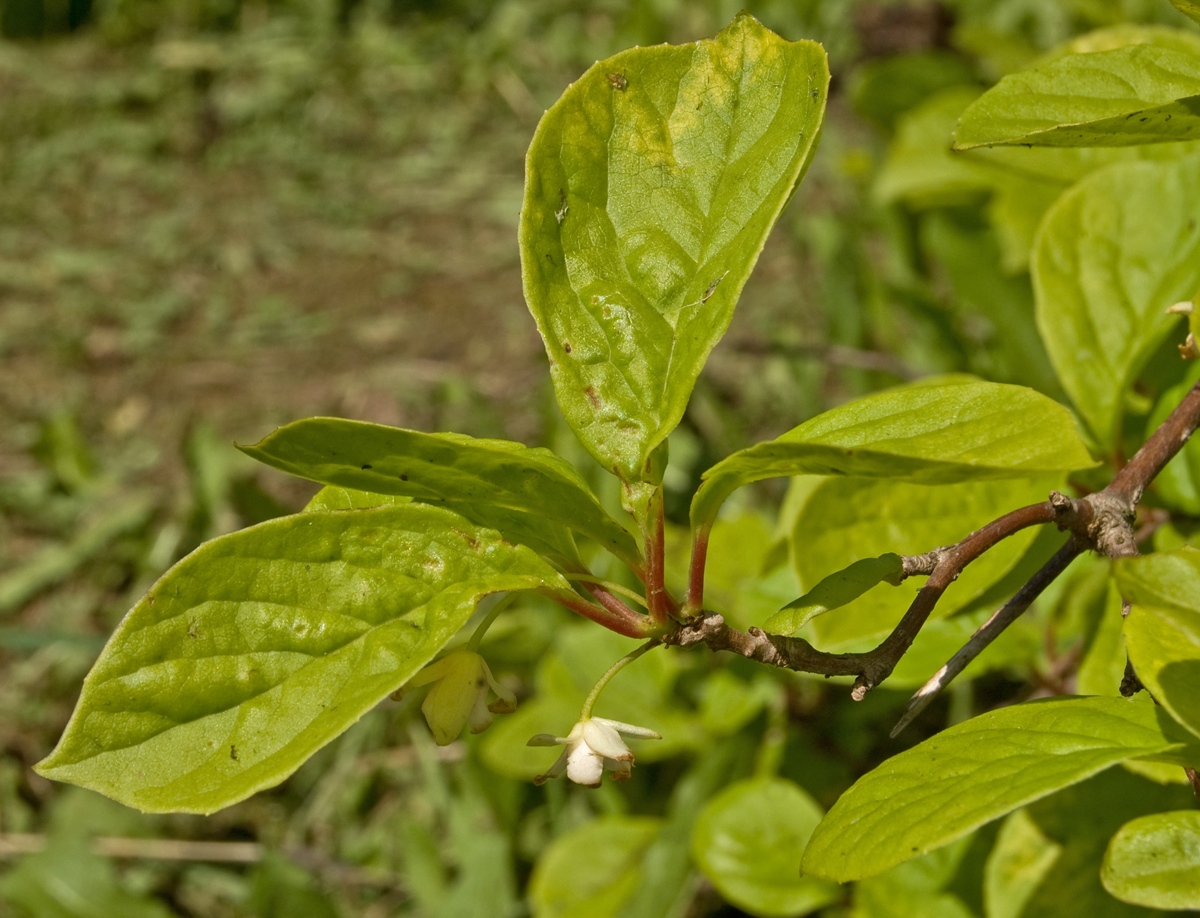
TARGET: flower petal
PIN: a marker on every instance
(584, 766)
(629, 729)
(604, 740)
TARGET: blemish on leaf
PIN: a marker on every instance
(404, 478)
(590, 392)
(365, 467)
(617, 81)
(561, 213)
(567, 346)
(233, 753)
(712, 288)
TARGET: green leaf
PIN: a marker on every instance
(846, 519)
(261, 646)
(1162, 632)
(920, 168)
(974, 772)
(1017, 865)
(1112, 254)
(650, 188)
(1155, 861)
(1132, 95)
(591, 871)
(331, 497)
(1189, 8)
(748, 841)
(1178, 485)
(531, 495)
(930, 886)
(1081, 820)
(837, 590)
(931, 434)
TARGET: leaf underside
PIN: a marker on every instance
(650, 188)
(261, 646)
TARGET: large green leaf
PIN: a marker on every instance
(1112, 254)
(591, 871)
(849, 519)
(1162, 632)
(1132, 95)
(531, 495)
(748, 840)
(1155, 861)
(974, 772)
(261, 646)
(651, 186)
(928, 434)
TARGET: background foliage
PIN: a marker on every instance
(217, 216)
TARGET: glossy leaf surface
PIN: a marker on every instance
(1126, 96)
(1112, 254)
(531, 495)
(1155, 861)
(650, 188)
(748, 841)
(1162, 632)
(261, 646)
(977, 771)
(928, 434)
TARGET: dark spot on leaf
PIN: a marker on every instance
(815, 93)
(567, 346)
(404, 478)
(365, 467)
(590, 392)
(617, 81)
(233, 753)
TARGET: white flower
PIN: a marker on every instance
(592, 745)
(459, 695)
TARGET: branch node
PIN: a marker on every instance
(922, 565)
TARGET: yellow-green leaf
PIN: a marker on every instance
(650, 188)
(261, 646)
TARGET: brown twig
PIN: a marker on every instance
(1103, 522)
(1156, 452)
(990, 630)
(943, 565)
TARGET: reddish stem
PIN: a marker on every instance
(631, 624)
(695, 594)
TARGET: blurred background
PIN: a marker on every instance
(217, 216)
